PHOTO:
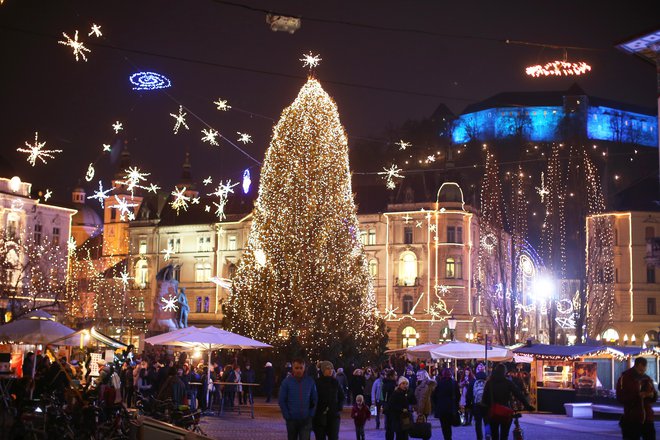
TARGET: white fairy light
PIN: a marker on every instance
(101, 194)
(207, 181)
(170, 304)
(117, 127)
(194, 201)
(96, 31)
(133, 178)
(542, 190)
(222, 104)
(71, 245)
(107, 147)
(310, 60)
(403, 144)
(123, 276)
(36, 151)
(390, 313)
(180, 119)
(390, 174)
(222, 192)
(89, 175)
(78, 47)
(207, 208)
(209, 136)
(153, 188)
(48, 194)
(441, 289)
(180, 199)
(244, 137)
(430, 158)
(124, 208)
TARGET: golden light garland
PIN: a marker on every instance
(558, 68)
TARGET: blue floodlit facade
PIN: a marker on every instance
(542, 124)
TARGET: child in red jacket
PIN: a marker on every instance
(360, 415)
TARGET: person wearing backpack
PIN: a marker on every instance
(475, 394)
(635, 390)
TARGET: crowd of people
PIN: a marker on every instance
(312, 398)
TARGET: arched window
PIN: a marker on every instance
(198, 305)
(141, 273)
(610, 335)
(373, 268)
(450, 268)
(410, 337)
(207, 304)
(407, 304)
(407, 269)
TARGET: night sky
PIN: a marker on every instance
(210, 49)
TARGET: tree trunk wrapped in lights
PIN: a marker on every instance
(303, 279)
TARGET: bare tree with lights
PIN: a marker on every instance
(303, 283)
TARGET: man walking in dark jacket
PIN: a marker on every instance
(331, 399)
(636, 391)
(298, 401)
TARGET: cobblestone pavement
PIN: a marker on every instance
(268, 424)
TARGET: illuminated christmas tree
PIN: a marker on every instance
(303, 282)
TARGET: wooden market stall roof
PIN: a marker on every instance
(559, 352)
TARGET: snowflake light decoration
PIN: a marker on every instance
(430, 158)
(406, 218)
(565, 322)
(488, 241)
(390, 313)
(47, 195)
(180, 119)
(96, 31)
(36, 151)
(133, 178)
(441, 289)
(107, 147)
(117, 127)
(89, 175)
(124, 208)
(180, 199)
(439, 310)
(403, 144)
(78, 47)
(210, 136)
(71, 245)
(389, 174)
(207, 181)
(123, 276)
(153, 188)
(310, 60)
(222, 192)
(170, 304)
(418, 224)
(542, 190)
(244, 137)
(168, 253)
(222, 104)
(101, 194)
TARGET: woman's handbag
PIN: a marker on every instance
(406, 421)
(420, 429)
(498, 413)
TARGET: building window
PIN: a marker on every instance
(649, 232)
(410, 337)
(650, 274)
(610, 335)
(142, 246)
(141, 274)
(450, 268)
(174, 244)
(459, 234)
(451, 234)
(408, 235)
(177, 272)
(207, 304)
(56, 236)
(198, 305)
(407, 269)
(650, 306)
(372, 237)
(204, 244)
(113, 214)
(140, 304)
(407, 304)
(616, 275)
(12, 225)
(373, 268)
(363, 237)
(202, 272)
(37, 234)
(231, 243)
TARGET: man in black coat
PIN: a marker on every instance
(269, 381)
(331, 398)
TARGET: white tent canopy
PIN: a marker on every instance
(422, 351)
(37, 327)
(467, 350)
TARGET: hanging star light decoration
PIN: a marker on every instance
(101, 194)
(310, 60)
(36, 151)
(430, 158)
(542, 190)
(210, 135)
(403, 144)
(124, 208)
(48, 194)
(89, 175)
(439, 310)
(117, 127)
(389, 174)
(153, 188)
(107, 147)
(222, 104)
(418, 224)
(123, 276)
(168, 253)
(222, 192)
(244, 137)
(180, 199)
(441, 289)
(170, 304)
(207, 181)
(96, 31)
(194, 201)
(180, 119)
(78, 47)
(406, 218)
(390, 313)
(207, 208)
(133, 178)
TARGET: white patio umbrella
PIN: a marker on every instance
(422, 351)
(467, 350)
(207, 338)
(37, 327)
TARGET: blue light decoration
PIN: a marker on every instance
(149, 81)
(246, 181)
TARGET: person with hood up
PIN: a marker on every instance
(499, 391)
(331, 398)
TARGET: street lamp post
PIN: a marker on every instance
(452, 325)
